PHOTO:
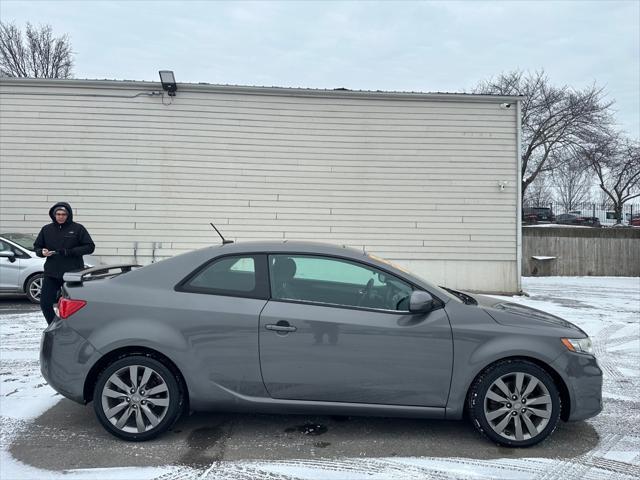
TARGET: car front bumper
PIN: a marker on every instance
(583, 377)
(65, 359)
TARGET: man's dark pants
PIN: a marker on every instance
(49, 295)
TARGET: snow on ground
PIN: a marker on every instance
(607, 308)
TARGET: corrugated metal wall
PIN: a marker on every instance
(411, 178)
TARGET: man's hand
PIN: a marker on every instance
(48, 253)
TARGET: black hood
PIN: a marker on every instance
(61, 204)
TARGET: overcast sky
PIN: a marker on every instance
(397, 46)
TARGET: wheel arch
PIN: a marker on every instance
(29, 277)
(123, 352)
(565, 397)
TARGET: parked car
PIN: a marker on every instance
(634, 221)
(537, 214)
(300, 327)
(573, 219)
(20, 269)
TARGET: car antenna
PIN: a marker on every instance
(224, 240)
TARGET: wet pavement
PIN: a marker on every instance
(10, 304)
(51, 440)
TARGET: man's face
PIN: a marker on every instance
(61, 216)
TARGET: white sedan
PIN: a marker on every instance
(20, 269)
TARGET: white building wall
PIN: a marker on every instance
(413, 178)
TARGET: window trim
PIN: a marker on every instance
(439, 303)
(261, 290)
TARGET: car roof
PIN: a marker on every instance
(291, 246)
(315, 248)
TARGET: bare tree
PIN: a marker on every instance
(553, 118)
(572, 180)
(38, 55)
(616, 163)
(539, 193)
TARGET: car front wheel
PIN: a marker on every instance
(137, 398)
(514, 403)
(33, 289)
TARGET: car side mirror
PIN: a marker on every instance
(8, 254)
(420, 302)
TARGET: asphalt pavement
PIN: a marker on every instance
(68, 436)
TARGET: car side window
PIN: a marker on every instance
(330, 280)
(4, 246)
(235, 276)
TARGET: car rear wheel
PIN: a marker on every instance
(33, 289)
(137, 398)
(514, 403)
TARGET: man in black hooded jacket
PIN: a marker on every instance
(63, 242)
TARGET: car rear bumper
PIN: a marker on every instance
(65, 359)
(584, 382)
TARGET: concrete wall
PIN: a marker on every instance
(581, 251)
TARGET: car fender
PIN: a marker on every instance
(28, 268)
(149, 333)
(470, 359)
(157, 336)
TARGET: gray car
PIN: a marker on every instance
(299, 327)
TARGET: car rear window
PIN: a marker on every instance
(235, 276)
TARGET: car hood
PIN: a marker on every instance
(514, 314)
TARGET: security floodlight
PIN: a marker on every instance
(168, 81)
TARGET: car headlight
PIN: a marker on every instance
(580, 345)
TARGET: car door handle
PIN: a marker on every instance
(281, 327)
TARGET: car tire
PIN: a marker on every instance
(137, 398)
(514, 403)
(33, 288)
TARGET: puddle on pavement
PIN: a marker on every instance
(206, 446)
(308, 429)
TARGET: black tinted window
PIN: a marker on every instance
(234, 276)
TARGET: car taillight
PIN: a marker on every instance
(67, 307)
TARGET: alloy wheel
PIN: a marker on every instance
(135, 399)
(34, 289)
(518, 406)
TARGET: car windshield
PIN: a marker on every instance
(418, 279)
(25, 240)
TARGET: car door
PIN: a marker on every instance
(9, 269)
(340, 331)
(219, 307)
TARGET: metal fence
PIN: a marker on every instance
(604, 212)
